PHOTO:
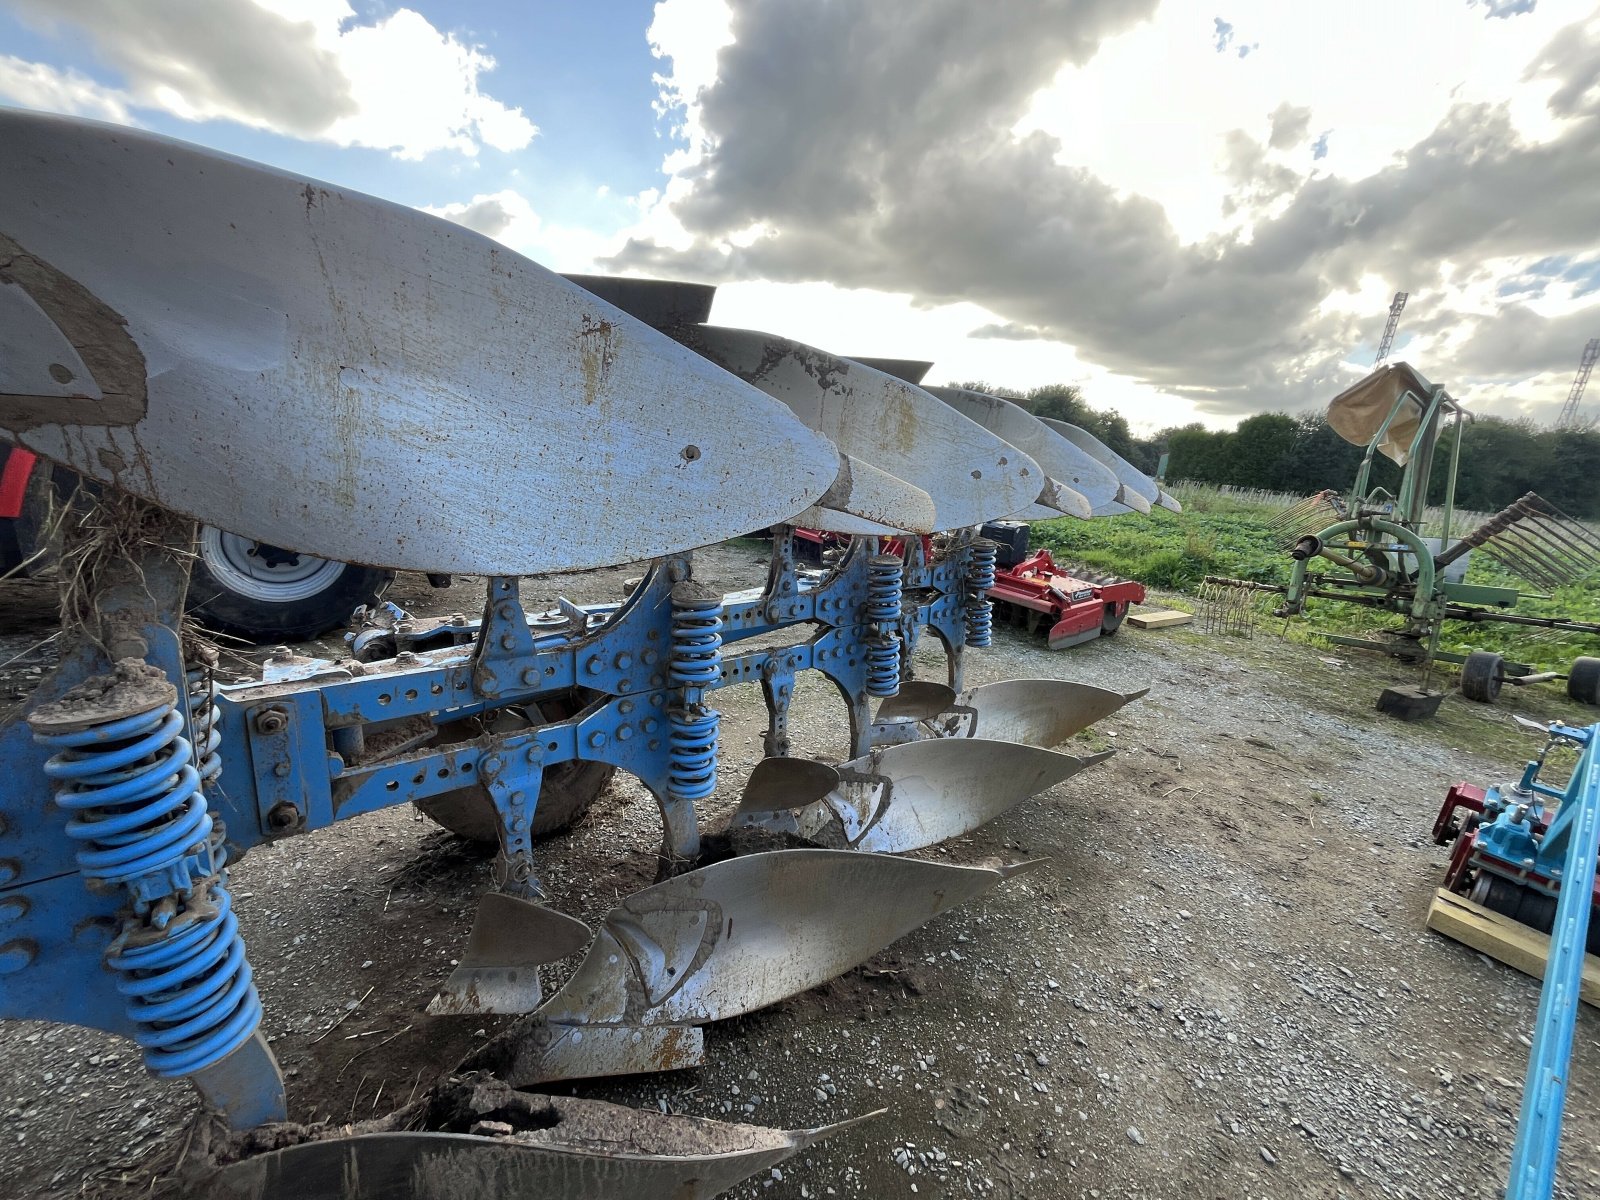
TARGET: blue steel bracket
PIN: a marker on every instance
(512, 780)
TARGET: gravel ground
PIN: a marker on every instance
(1220, 985)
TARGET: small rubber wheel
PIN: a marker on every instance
(565, 793)
(1583, 681)
(1113, 618)
(1481, 676)
(265, 594)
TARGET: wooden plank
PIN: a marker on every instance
(1164, 619)
(1501, 938)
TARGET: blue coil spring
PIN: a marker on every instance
(692, 752)
(980, 578)
(696, 642)
(190, 991)
(137, 806)
(205, 722)
(133, 792)
(884, 572)
(883, 666)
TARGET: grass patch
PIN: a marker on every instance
(1218, 534)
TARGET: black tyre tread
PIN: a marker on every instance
(568, 791)
(1583, 681)
(1481, 676)
(1111, 619)
(258, 621)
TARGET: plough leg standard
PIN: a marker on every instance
(207, 339)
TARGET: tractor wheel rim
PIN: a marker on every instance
(237, 564)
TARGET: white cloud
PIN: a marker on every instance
(304, 68)
(36, 85)
(1223, 230)
(509, 218)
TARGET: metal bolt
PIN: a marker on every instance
(624, 732)
(597, 739)
(492, 764)
(13, 908)
(508, 641)
(518, 799)
(282, 816)
(623, 661)
(625, 707)
(10, 868)
(16, 955)
(535, 753)
(592, 664)
(281, 768)
(530, 676)
(271, 720)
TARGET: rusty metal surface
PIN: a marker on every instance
(1062, 461)
(911, 796)
(750, 931)
(198, 330)
(972, 475)
(549, 1148)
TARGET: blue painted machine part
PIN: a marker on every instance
(1576, 828)
(280, 757)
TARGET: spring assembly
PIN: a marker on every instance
(692, 752)
(980, 578)
(134, 794)
(135, 799)
(188, 987)
(205, 721)
(696, 640)
(884, 574)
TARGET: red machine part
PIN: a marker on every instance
(1080, 610)
(1457, 822)
(14, 478)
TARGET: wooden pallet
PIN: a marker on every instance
(1501, 938)
(1159, 620)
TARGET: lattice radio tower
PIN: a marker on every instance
(1569, 410)
(1396, 307)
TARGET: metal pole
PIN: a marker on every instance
(1544, 1093)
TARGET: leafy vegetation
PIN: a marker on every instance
(1217, 534)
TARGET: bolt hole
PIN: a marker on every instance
(977, 474)
(690, 453)
(384, 698)
(411, 693)
(60, 373)
(392, 786)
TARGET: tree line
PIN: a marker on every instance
(1500, 459)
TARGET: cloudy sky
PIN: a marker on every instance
(1196, 212)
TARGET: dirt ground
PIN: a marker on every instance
(1219, 986)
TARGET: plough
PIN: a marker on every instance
(205, 339)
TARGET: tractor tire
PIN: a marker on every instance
(1481, 676)
(262, 594)
(568, 790)
(565, 794)
(1583, 681)
(1115, 614)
